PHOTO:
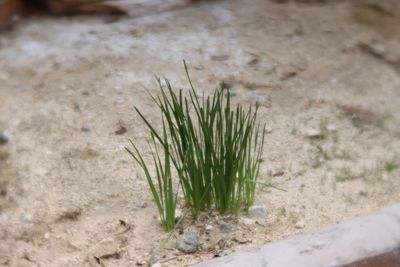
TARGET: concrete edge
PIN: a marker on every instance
(356, 242)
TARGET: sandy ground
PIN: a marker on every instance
(70, 193)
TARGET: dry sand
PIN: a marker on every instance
(71, 196)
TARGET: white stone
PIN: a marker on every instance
(331, 128)
(299, 225)
(246, 221)
(209, 227)
(268, 129)
(313, 133)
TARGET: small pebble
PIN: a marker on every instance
(219, 57)
(299, 225)
(157, 264)
(363, 192)
(227, 85)
(209, 227)
(4, 138)
(246, 221)
(313, 133)
(187, 242)
(121, 130)
(26, 218)
(85, 129)
(268, 129)
(258, 211)
(225, 227)
(199, 67)
(108, 247)
(331, 128)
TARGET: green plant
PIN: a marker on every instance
(162, 191)
(391, 165)
(215, 148)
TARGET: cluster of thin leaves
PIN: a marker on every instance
(214, 148)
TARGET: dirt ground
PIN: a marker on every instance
(327, 76)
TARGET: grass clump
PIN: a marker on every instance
(162, 190)
(214, 148)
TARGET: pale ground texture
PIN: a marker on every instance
(71, 196)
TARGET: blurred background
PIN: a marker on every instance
(13, 8)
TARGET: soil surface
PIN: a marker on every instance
(327, 76)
